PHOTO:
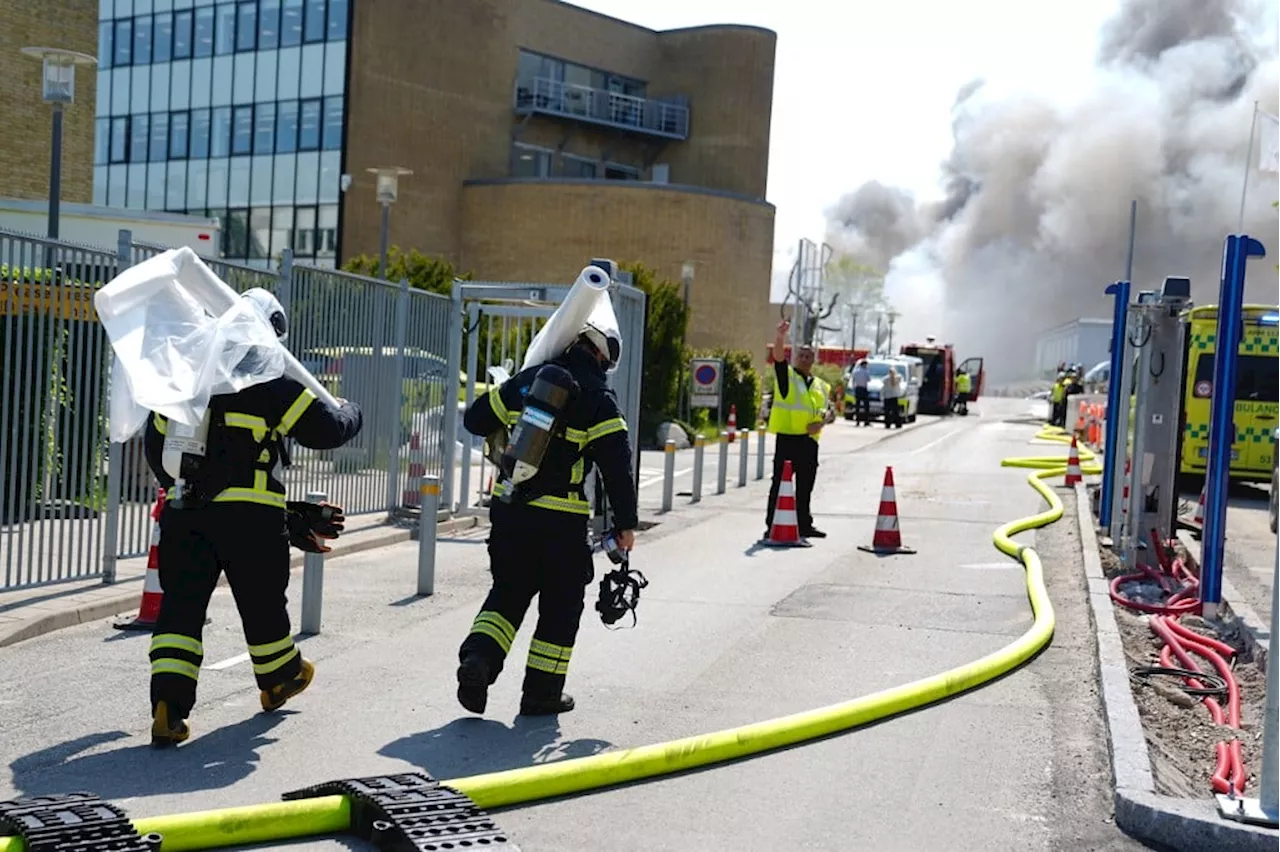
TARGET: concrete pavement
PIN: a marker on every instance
(728, 634)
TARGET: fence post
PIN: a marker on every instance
(699, 445)
(744, 437)
(668, 473)
(312, 580)
(284, 289)
(449, 404)
(473, 364)
(760, 430)
(724, 462)
(430, 505)
(396, 403)
(115, 451)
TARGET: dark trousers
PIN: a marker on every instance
(533, 552)
(248, 542)
(862, 405)
(893, 412)
(802, 452)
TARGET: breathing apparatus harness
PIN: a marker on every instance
(620, 588)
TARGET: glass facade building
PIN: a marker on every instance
(226, 108)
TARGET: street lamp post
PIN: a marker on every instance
(892, 316)
(388, 190)
(59, 89)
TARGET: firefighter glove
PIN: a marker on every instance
(312, 524)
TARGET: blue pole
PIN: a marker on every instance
(1222, 403)
(1120, 317)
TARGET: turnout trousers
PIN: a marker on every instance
(802, 452)
(250, 544)
(532, 552)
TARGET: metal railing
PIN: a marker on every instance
(543, 94)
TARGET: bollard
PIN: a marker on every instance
(312, 580)
(760, 430)
(743, 437)
(668, 474)
(724, 462)
(430, 507)
(699, 444)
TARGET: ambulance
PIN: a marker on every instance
(1257, 392)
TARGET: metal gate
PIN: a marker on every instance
(497, 322)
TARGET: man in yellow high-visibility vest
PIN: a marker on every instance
(801, 407)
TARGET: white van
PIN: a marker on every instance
(909, 368)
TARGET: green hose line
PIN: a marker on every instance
(332, 815)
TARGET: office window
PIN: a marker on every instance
(264, 128)
(236, 233)
(220, 136)
(260, 182)
(141, 7)
(332, 123)
(287, 127)
(242, 130)
(159, 138)
(162, 46)
(306, 178)
(201, 78)
(136, 193)
(180, 85)
(269, 25)
(116, 185)
(139, 138)
(335, 67)
(179, 135)
(238, 188)
(101, 141)
(613, 171)
(264, 80)
(312, 83)
(223, 74)
(337, 20)
(103, 93)
(155, 186)
(578, 167)
(203, 40)
(226, 35)
(175, 187)
(317, 24)
(123, 43)
(527, 161)
(105, 30)
(259, 232)
(327, 230)
(218, 175)
(100, 185)
(242, 92)
(330, 175)
(197, 184)
(120, 83)
(309, 126)
(290, 66)
(282, 174)
(160, 77)
(246, 26)
(304, 231)
(182, 35)
(140, 88)
(281, 229)
(290, 22)
(199, 134)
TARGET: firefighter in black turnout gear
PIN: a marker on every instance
(538, 544)
(230, 514)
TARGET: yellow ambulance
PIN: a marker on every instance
(1257, 386)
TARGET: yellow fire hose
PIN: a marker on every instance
(332, 814)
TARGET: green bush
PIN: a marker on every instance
(664, 351)
(742, 387)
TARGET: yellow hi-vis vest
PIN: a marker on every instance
(792, 414)
(1058, 392)
(963, 385)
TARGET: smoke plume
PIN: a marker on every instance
(1034, 218)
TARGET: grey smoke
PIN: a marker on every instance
(1033, 222)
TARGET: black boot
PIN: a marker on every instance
(533, 705)
(473, 683)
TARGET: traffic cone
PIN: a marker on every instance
(887, 539)
(785, 531)
(1073, 465)
(412, 495)
(733, 422)
(152, 593)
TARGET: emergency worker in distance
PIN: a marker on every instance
(538, 543)
(229, 513)
(964, 387)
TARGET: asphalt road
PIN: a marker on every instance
(728, 634)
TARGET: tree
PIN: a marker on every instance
(861, 291)
(433, 274)
(664, 349)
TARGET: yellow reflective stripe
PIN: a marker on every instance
(606, 427)
(578, 470)
(177, 640)
(499, 621)
(544, 665)
(169, 665)
(577, 436)
(554, 652)
(487, 629)
(268, 668)
(251, 495)
(572, 505)
(271, 647)
(499, 407)
(161, 424)
(296, 410)
(247, 421)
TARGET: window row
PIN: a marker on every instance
(265, 232)
(231, 182)
(278, 75)
(225, 29)
(534, 66)
(532, 161)
(271, 128)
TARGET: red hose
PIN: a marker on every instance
(1181, 642)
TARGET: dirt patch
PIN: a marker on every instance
(1179, 731)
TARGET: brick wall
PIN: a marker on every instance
(25, 130)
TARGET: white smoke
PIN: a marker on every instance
(1035, 218)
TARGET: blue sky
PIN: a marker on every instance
(863, 90)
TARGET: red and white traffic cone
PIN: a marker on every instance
(412, 496)
(1124, 495)
(733, 422)
(1073, 465)
(888, 538)
(785, 531)
(152, 592)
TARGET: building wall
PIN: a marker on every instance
(25, 132)
(546, 231)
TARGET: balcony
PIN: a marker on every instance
(599, 106)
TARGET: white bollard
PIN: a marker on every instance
(699, 446)
(760, 430)
(668, 474)
(430, 508)
(743, 437)
(724, 462)
(312, 580)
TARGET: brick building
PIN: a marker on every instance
(25, 131)
(539, 135)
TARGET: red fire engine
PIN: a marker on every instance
(938, 382)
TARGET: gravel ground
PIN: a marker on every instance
(1180, 733)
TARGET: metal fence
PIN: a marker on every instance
(72, 503)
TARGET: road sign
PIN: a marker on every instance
(706, 376)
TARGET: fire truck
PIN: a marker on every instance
(938, 384)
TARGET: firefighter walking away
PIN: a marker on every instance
(226, 511)
(565, 419)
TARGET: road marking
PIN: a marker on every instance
(645, 483)
(229, 662)
(937, 441)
